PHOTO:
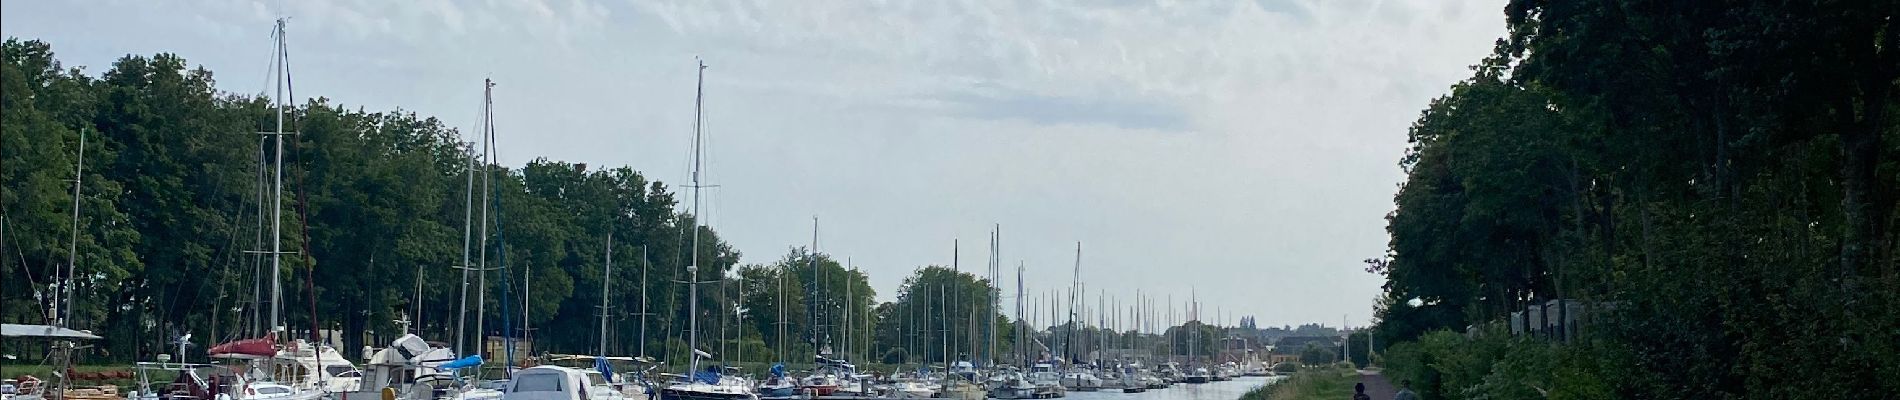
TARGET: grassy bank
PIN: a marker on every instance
(1332, 382)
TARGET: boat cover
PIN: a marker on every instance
(44, 331)
(464, 362)
(264, 347)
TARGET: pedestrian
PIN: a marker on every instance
(1405, 391)
(1359, 392)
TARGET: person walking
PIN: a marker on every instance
(1359, 392)
(1405, 391)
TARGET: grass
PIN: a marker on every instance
(1310, 383)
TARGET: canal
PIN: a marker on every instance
(1228, 390)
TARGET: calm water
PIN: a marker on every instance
(1228, 390)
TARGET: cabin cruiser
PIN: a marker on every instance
(299, 364)
(1170, 373)
(409, 369)
(549, 382)
(1226, 372)
(1081, 380)
(1048, 382)
(1011, 385)
(964, 369)
(1197, 375)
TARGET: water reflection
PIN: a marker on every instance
(1228, 390)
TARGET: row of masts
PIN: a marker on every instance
(476, 262)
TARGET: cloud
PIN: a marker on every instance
(1185, 142)
(1005, 104)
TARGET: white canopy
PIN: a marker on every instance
(44, 332)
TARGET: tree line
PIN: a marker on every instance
(173, 219)
(1713, 182)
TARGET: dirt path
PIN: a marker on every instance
(1376, 385)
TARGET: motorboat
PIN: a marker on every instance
(1048, 382)
(1170, 373)
(1197, 375)
(1081, 380)
(409, 368)
(964, 369)
(550, 382)
(1011, 385)
(1226, 372)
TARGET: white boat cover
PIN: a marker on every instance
(44, 331)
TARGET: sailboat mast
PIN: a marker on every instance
(692, 269)
(811, 291)
(606, 292)
(645, 264)
(1022, 329)
(844, 333)
(468, 221)
(488, 162)
(277, 191)
(996, 291)
(64, 317)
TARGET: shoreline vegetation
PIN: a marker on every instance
(1662, 200)
(1329, 382)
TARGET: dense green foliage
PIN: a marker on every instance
(374, 203)
(1713, 179)
(171, 220)
(810, 322)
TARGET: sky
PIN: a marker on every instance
(1240, 152)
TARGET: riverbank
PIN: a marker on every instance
(1330, 382)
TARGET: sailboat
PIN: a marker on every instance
(318, 369)
(1196, 373)
(781, 384)
(711, 383)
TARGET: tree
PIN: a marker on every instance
(174, 207)
(1315, 355)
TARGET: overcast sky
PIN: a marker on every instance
(1245, 151)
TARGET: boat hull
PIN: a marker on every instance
(781, 391)
(676, 394)
(821, 390)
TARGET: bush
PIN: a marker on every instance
(1497, 366)
(1333, 381)
(1286, 368)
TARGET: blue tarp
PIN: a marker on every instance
(710, 376)
(464, 362)
(778, 370)
(606, 370)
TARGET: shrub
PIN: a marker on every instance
(1286, 368)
